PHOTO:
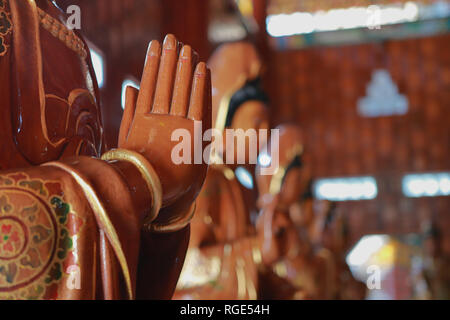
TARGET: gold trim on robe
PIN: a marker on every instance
(102, 218)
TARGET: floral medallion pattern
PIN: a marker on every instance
(35, 237)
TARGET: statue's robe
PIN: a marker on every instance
(53, 245)
(222, 260)
(72, 229)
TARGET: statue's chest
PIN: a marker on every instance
(53, 111)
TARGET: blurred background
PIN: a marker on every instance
(368, 81)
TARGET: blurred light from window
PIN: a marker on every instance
(426, 185)
(125, 84)
(226, 31)
(264, 159)
(383, 98)
(99, 66)
(280, 25)
(365, 248)
(345, 189)
(244, 177)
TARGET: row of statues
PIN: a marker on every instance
(79, 221)
(289, 250)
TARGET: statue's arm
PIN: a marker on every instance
(173, 101)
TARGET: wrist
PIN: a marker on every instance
(138, 172)
(141, 197)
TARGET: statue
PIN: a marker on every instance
(336, 240)
(435, 262)
(78, 221)
(223, 253)
(289, 269)
(293, 229)
(327, 232)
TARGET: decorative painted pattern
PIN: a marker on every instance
(35, 237)
(60, 31)
(5, 27)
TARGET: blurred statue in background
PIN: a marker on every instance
(335, 239)
(436, 263)
(327, 233)
(72, 214)
(223, 251)
(289, 269)
(302, 243)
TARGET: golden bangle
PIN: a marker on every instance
(173, 225)
(148, 174)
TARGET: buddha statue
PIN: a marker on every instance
(333, 243)
(223, 252)
(436, 261)
(78, 221)
(292, 267)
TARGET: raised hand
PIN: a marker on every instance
(175, 91)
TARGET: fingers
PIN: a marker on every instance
(166, 76)
(131, 96)
(199, 91)
(183, 81)
(168, 84)
(148, 82)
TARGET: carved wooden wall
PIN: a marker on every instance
(319, 89)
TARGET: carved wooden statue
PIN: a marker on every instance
(294, 267)
(326, 231)
(279, 239)
(436, 262)
(77, 222)
(223, 252)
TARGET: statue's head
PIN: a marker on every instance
(292, 177)
(302, 211)
(237, 98)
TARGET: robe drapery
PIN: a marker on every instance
(55, 245)
(223, 256)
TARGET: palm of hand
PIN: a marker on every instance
(172, 96)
